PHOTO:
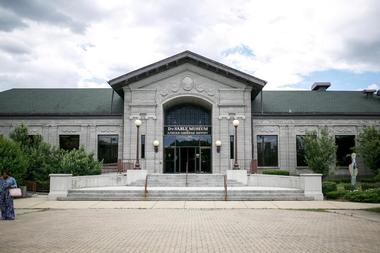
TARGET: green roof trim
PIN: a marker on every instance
(60, 102)
(316, 102)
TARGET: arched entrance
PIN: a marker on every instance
(187, 138)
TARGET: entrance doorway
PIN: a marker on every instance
(187, 139)
(188, 160)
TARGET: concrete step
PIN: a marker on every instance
(185, 193)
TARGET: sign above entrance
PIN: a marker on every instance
(187, 130)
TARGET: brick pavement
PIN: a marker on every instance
(187, 230)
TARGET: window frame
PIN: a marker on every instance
(258, 154)
(337, 162)
(110, 144)
(68, 135)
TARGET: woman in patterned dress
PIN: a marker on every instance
(6, 200)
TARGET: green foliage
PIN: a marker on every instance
(335, 194)
(366, 186)
(369, 147)
(78, 162)
(371, 196)
(377, 177)
(276, 172)
(328, 186)
(12, 159)
(349, 187)
(320, 151)
(42, 159)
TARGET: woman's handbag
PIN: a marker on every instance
(15, 192)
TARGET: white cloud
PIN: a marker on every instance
(289, 39)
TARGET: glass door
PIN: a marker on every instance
(205, 160)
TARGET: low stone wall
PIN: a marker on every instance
(111, 179)
(275, 181)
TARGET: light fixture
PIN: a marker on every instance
(236, 124)
(156, 143)
(218, 144)
(138, 122)
(137, 163)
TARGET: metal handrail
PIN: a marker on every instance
(146, 187)
(225, 187)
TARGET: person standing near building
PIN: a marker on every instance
(6, 200)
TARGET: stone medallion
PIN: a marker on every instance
(211, 92)
(188, 83)
(175, 88)
(199, 87)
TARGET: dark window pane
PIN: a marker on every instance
(267, 151)
(108, 148)
(69, 142)
(187, 114)
(142, 146)
(232, 143)
(300, 148)
(345, 145)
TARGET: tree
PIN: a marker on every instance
(320, 151)
(13, 159)
(369, 147)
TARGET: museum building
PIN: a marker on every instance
(190, 114)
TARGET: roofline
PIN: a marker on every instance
(185, 56)
(57, 115)
(286, 114)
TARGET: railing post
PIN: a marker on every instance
(146, 186)
(225, 187)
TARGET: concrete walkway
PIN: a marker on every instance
(41, 202)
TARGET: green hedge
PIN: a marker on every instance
(276, 172)
(328, 186)
(349, 187)
(335, 194)
(371, 196)
(366, 186)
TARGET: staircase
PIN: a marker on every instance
(182, 187)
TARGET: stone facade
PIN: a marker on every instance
(287, 128)
(227, 99)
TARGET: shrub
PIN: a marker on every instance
(276, 172)
(366, 186)
(349, 187)
(369, 147)
(328, 186)
(335, 194)
(371, 196)
(377, 177)
(368, 180)
(78, 162)
(320, 151)
(13, 159)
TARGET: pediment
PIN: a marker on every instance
(214, 69)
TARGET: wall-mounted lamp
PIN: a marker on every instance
(218, 144)
(156, 143)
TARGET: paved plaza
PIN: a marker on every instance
(58, 226)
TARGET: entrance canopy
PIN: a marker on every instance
(182, 58)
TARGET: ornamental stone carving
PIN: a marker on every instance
(211, 92)
(188, 83)
(175, 88)
(199, 88)
(164, 92)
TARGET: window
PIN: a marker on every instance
(267, 150)
(108, 148)
(142, 146)
(300, 148)
(69, 142)
(34, 139)
(232, 148)
(345, 145)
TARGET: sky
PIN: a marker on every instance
(290, 44)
